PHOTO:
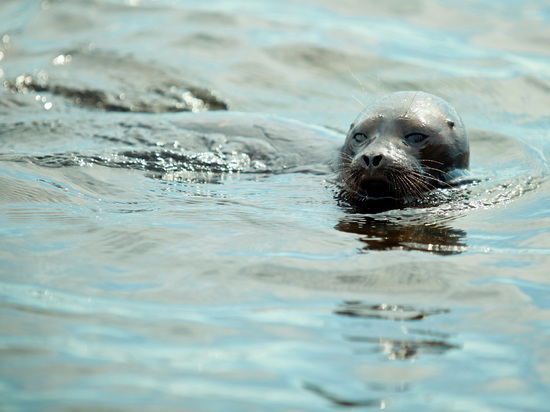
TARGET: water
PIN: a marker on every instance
(144, 265)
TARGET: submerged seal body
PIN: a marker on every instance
(401, 147)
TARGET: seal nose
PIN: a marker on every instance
(372, 161)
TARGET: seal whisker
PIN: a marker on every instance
(404, 115)
(409, 183)
(402, 187)
(416, 179)
(435, 169)
(443, 173)
(421, 180)
(407, 187)
(430, 176)
(358, 80)
(352, 179)
(360, 102)
(343, 163)
(417, 185)
(430, 161)
(424, 174)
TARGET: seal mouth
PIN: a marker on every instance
(376, 189)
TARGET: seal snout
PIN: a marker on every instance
(374, 164)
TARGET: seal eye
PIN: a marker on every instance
(416, 138)
(359, 137)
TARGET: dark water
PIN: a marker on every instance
(150, 263)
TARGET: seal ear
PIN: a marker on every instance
(352, 126)
(450, 123)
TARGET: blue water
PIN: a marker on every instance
(145, 265)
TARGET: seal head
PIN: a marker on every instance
(401, 147)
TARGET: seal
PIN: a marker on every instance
(401, 147)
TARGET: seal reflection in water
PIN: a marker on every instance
(403, 146)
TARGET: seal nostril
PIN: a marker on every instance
(372, 160)
(376, 160)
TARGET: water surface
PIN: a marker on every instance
(146, 266)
